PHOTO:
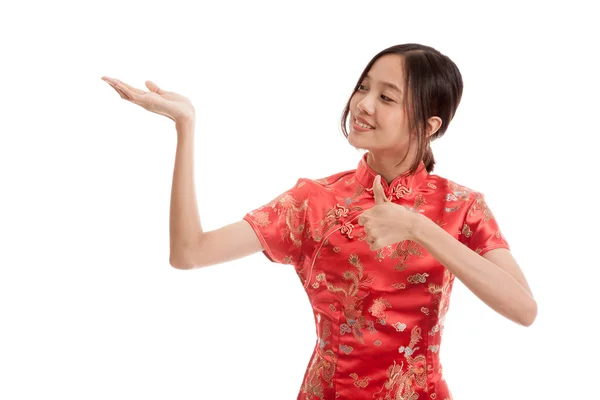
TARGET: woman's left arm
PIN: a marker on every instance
(495, 277)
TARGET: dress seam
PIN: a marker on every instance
(428, 353)
(336, 351)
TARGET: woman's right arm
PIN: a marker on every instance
(190, 246)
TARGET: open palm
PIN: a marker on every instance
(169, 104)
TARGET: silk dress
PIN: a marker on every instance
(379, 315)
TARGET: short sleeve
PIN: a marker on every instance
(280, 224)
(480, 231)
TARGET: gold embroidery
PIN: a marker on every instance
(480, 205)
(333, 217)
(404, 250)
(442, 299)
(466, 230)
(340, 211)
(419, 202)
(458, 192)
(360, 383)
(348, 294)
(400, 384)
(294, 209)
(378, 309)
(417, 278)
(261, 218)
(400, 191)
(347, 229)
(287, 259)
(321, 368)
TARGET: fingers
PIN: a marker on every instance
(378, 191)
(362, 220)
(129, 87)
(126, 91)
(120, 91)
(373, 244)
(153, 87)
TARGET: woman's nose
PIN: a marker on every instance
(366, 105)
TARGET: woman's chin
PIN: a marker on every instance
(357, 142)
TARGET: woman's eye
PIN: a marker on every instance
(362, 87)
(386, 98)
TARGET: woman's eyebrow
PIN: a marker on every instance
(388, 84)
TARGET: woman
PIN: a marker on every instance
(377, 248)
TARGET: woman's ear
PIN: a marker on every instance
(433, 125)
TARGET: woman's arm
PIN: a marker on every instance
(190, 246)
(495, 277)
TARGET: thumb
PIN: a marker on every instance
(153, 87)
(378, 192)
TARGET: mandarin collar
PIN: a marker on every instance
(399, 187)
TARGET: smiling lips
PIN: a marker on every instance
(362, 123)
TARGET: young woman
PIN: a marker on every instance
(376, 248)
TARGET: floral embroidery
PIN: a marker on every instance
(361, 383)
(261, 218)
(400, 191)
(442, 299)
(403, 251)
(321, 368)
(293, 209)
(347, 229)
(480, 205)
(466, 231)
(340, 212)
(401, 382)
(374, 308)
(378, 309)
(419, 202)
(352, 304)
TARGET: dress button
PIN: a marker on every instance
(400, 191)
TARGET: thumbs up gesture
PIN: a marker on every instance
(386, 223)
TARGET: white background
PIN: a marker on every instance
(91, 309)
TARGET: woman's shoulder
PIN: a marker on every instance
(328, 188)
(451, 186)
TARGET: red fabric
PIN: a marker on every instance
(379, 314)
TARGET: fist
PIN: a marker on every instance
(386, 223)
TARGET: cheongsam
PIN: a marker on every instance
(380, 314)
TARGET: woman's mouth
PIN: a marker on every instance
(362, 126)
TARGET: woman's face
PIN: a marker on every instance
(379, 104)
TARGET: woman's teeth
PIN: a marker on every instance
(363, 125)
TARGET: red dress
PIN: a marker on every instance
(379, 314)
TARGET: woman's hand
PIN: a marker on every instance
(386, 223)
(170, 104)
